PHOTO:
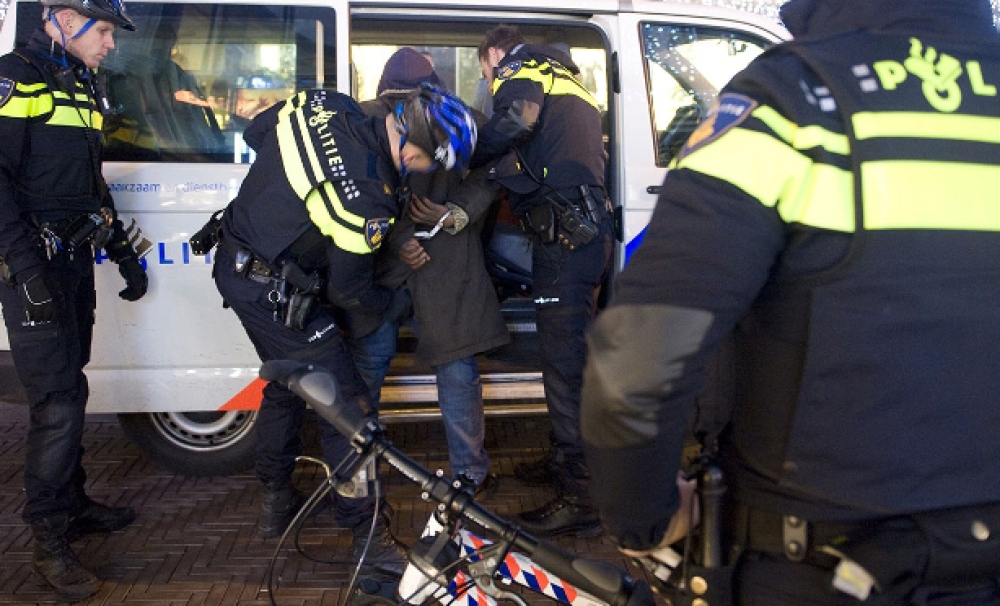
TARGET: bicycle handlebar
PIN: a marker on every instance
(602, 580)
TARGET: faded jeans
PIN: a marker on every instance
(460, 397)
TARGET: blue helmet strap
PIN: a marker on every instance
(62, 60)
(401, 129)
(83, 30)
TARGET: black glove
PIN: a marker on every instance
(40, 306)
(136, 281)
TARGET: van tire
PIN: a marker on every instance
(199, 444)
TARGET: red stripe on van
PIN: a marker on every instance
(249, 397)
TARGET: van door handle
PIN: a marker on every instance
(654, 189)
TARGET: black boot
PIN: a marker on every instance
(565, 514)
(55, 564)
(91, 517)
(538, 473)
(547, 470)
(278, 506)
(384, 554)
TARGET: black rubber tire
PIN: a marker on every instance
(200, 444)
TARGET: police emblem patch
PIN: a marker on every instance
(375, 231)
(507, 71)
(6, 90)
(729, 112)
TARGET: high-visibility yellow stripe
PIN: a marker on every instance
(291, 119)
(69, 116)
(931, 195)
(343, 237)
(295, 172)
(311, 160)
(813, 194)
(30, 88)
(27, 107)
(80, 96)
(927, 125)
(564, 86)
(802, 137)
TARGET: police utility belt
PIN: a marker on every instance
(572, 220)
(57, 237)
(294, 294)
(88, 229)
(963, 546)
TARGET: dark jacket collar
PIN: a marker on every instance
(822, 18)
(43, 45)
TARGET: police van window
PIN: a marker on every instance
(188, 81)
(452, 46)
(685, 69)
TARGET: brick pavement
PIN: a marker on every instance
(195, 541)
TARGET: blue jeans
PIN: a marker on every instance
(373, 355)
(460, 396)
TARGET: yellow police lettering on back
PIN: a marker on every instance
(940, 74)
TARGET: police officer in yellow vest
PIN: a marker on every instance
(313, 209)
(840, 211)
(55, 210)
(547, 127)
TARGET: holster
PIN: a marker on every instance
(541, 221)
(303, 297)
(205, 239)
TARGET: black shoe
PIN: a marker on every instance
(562, 515)
(479, 490)
(538, 473)
(95, 518)
(57, 568)
(278, 507)
(384, 555)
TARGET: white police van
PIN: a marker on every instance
(176, 367)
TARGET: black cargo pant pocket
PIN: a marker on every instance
(963, 545)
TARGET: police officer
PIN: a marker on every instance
(54, 211)
(549, 127)
(313, 209)
(838, 209)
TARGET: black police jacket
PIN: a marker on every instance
(841, 218)
(542, 110)
(51, 147)
(324, 168)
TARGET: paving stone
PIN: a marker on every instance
(195, 541)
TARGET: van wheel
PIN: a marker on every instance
(195, 443)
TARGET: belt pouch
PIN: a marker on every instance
(542, 221)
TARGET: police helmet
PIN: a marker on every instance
(112, 11)
(439, 123)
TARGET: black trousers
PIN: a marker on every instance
(49, 359)
(565, 286)
(281, 411)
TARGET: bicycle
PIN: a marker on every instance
(450, 564)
